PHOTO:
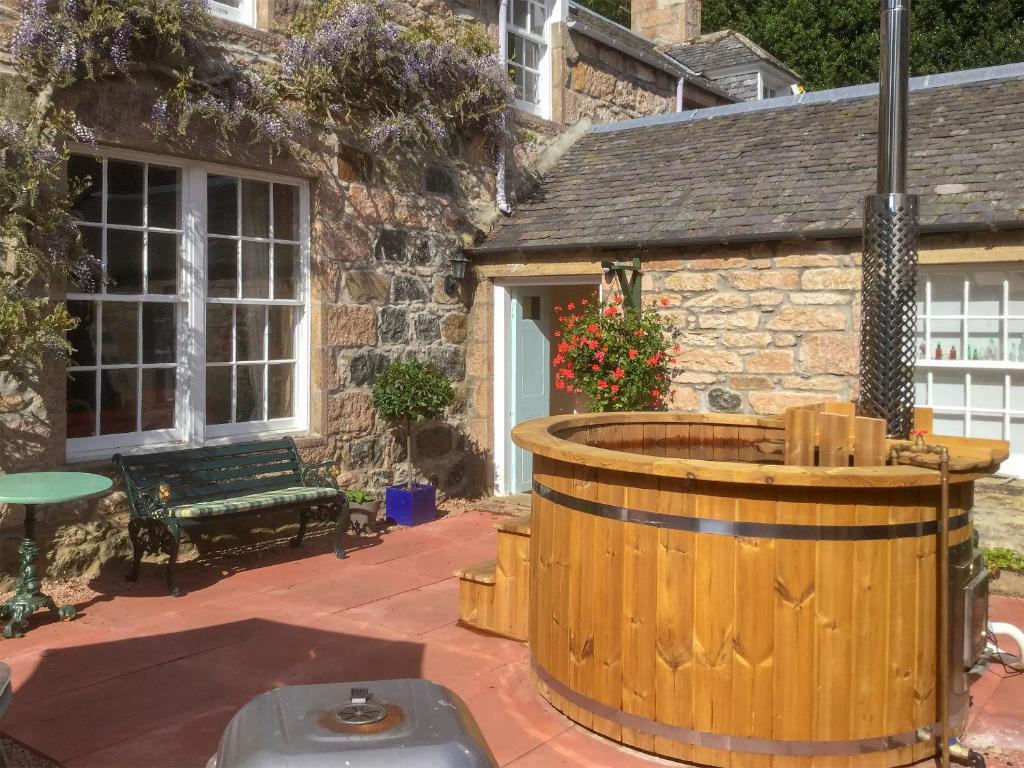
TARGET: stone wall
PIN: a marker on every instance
(606, 85)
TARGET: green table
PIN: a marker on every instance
(30, 489)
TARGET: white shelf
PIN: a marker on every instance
(986, 365)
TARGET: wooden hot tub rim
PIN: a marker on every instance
(542, 437)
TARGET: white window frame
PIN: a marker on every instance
(543, 107)
(1012, 371)
(190, 428)
(245, 13)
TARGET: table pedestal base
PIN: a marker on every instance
(28, 595)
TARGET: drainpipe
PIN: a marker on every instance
(499, 184)
(891, 232)
(680, 92)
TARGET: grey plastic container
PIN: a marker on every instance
(408, 723)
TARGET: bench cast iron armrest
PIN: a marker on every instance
(147, 501)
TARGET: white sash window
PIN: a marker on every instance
(200, 331)
(529, 68)
(241, 11)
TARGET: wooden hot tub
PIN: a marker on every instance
(694, 596)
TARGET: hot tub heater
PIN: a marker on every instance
(891, 232)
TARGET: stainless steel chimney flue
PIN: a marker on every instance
(891, 232)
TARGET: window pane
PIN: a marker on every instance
(255, 270)
(1016, 293)
(158, 398)
(946, 334)
(951, 425)
(531, 88)
(537, 18)
(218, 332)
(947, 294)
(81, 405)
(921, 388)
(83, 338)
(255, 208)
(987, 427)
(120, 332)
(88, 206)
(985, 338)
(159, 333)
(1017, 392)
(249, 406)
(92, 241)
(986, 294)
(222, 268)
(124, 261)
(1016, 340)
(515, 48)
(280, 398)
(286, 212)
(533, 52)
(249, 333)
(162, 265)
(948, 389)
(218, 395)
(520, 13)
(124, 192)
(988, 391)
(164, 197)
(282, 333)
(222, 205)
(118, 400)
(286, 271)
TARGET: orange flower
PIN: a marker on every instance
(655, 393)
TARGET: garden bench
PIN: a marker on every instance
(169, 492)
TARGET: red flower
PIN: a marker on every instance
(602, 384)
(638, 332)
(570, 306)
(617, 299)
(615, 387)
(558, 334)
(558, 309)
(600, 356)
(655, 393)
(563, 347)
(664, 302)
(584, 302)
(595, 367)
(610, 311)
(618, 373)
(559, 359)
(633, 353)
(592, 344)
(593, 328)
(559, 384)
(675, 348)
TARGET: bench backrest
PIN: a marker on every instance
(216, 472)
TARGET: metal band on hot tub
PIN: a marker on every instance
(748, 744)
(788, 531)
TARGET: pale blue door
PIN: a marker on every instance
(530, 375)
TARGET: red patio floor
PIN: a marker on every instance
(144, 679)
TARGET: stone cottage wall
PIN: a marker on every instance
(380, 245)
(606, 85)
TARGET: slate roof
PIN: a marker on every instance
(720, 50)
(797, 166)
(647, 51)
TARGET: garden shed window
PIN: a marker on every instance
(197, 333)
(970, 353)
(528, 66)
(241, 11)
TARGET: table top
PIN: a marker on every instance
(51, 487)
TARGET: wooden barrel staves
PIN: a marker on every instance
(734, 590)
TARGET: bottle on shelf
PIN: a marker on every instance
(952, 353)
(922, 352)
(992, 353)
(972, 353)
(938, 351)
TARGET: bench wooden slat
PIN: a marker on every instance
(201, 473)
(251, 460)
(261, 447)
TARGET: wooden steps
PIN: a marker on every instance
(494, 595)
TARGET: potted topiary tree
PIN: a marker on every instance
(409, 391)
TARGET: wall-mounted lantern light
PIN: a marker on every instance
(456, 272)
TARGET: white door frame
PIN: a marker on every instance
(502, 448)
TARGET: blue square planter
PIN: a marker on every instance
(411, 506)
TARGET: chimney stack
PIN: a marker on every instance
(666, 22)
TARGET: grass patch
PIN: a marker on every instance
(1003, 558)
